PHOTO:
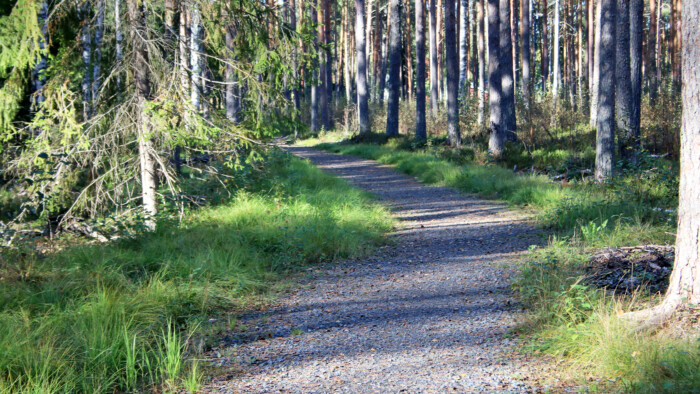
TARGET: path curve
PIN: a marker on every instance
(430, 313)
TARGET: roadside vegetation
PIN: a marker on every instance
(134, 313)
(579, 285)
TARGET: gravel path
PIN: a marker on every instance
(430, 313)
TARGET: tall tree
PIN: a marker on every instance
(623, 84)
(434, 99)
(407, 47)
(195, 58)
(315, 70)
(507, 82)
(420, 70)
(605, 135)
(119, 37)
(392, 110)
(590, 41)
(452, 65)
(97, 57)
(327, 82)
(544, 51)
(556, 63)
(463, 43)
(361, 74)
(636, 26)
(86, 46)
(651, 50)
(497, 137)
(137, 34)
(525, 37)
(684, 284)
(480, 44)
(596, 67)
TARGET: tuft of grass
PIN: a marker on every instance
(117, 317)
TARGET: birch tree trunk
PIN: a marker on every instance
(361, 75)
(86, 46)
(195, 63)
(392, 116)
(420, 70)
(452, 65)
(556, 82)
(605, 133)
(97, 58)
(434, 95)
(143, 90)
(463, 44)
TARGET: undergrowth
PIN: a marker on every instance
(119, 316)
(570, 319)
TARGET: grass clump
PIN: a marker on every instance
(118, 316)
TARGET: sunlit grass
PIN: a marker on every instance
(100, 318)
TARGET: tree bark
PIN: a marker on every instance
(392, 116)
(482, 64)
(623, 84)
(377, 53)
(315, 70)
(97, 57)
(636, 26)
(525, 36)
(407, 48)
(420, 70)
(605, 136)
(514, 40)
(86, 54)
(143, 90)
(596, 67)
(361, 75)
(463, 44)
(119, 37)
(497, 138)
(651, 50)
(39, 70)
(684, 285)
(544, 52)
(195, 61)
(590, 43)
(232, 110)
(434, 95)
(556, 64)
(327, 97)
(452, 65)
(508, 122)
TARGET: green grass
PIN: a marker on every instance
(119, 316)
(570, 320)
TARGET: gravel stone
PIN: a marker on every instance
(429, 313)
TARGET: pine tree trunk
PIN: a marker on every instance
(407, 48)
(497, 138)
(420, 70)
(119, 37)
(623, 84)
(482, 63)
(605, 135)
(385, 59)
(142, 83)
(525, 36)
(636, 26)
(508, 122)
(556, 63)
(440, 41)
(295, 69)
(596, 67)
(377, 53)
(434, 95)
(315, 68)
(651, 50)
(392, 110)
(452, 66)
(514, 40)
(684, 284)
(346, 53)
(361, 75)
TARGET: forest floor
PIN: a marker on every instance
(431, 312)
